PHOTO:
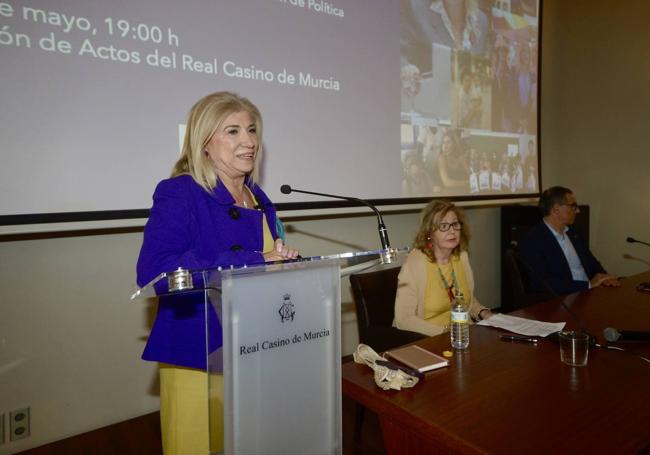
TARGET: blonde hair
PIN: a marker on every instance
(205, 117)
(431, 215)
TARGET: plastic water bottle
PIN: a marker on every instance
(459, 323)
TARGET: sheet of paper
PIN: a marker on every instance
(522, 326)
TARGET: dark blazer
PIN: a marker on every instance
(191, 228)
(543, 254)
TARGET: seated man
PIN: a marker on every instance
(559, 258)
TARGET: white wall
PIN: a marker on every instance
(70, 337)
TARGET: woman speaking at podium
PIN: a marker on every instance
(210, 213)
(435, 270)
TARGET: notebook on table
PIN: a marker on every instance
(418, 358)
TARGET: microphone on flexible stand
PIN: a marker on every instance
(633, 240)
(383, 232)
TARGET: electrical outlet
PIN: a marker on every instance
(2, 429)
(18, 424)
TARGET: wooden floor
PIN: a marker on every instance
(141, 436)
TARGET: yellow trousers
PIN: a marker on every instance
(184, 411)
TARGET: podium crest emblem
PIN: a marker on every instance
(287, 310)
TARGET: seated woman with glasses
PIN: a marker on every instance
(435, 271)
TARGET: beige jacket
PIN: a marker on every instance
(409, 303)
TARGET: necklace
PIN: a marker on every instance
(449, 287)
(241, 200)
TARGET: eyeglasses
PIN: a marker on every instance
(444, 227)
(574, 205)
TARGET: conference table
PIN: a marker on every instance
(505, 397)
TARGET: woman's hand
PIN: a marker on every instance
(485, 313)
(280, 252)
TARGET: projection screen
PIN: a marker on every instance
(377, 99)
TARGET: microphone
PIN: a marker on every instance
(613, 335)
(633, 240)
(383, 232)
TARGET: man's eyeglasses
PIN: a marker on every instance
(444, 227)
(574, 205)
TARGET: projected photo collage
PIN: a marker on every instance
(469, 81)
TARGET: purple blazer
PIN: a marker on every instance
(191, 228)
